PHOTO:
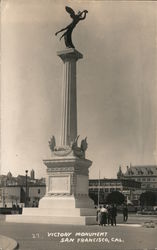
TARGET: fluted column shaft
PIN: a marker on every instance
(69, 96)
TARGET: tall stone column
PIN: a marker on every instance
(67, 170)
(69, 95)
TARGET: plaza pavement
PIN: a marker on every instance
(129, 236)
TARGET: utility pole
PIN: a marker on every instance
(26, 194)
(99, 189)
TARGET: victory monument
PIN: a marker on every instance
(66, 200)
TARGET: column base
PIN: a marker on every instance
(45, 219)
(66, 202)
(58, 210)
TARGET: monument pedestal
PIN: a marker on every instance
(67, 188)
(67, 183)
(66, 200)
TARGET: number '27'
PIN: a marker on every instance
(35, 235)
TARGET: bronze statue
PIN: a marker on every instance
(81, 15)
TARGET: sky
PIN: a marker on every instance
(116, 82)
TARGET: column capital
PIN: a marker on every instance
(68, 54)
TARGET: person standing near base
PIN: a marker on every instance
(114, 215)
(125, 213)
(103, 216)
(109, 215)
(99, 216)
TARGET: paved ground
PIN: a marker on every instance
(122, 237)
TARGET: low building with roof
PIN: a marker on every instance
(147, 175)
(106, 186)
(13, 190)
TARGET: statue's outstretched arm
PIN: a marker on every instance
(85, 13)
(62, 35)
(61, 30)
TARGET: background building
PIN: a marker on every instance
(147, 175)
(13, 189)
(132, 183)
(106, 186)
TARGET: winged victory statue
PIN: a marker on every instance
(81, 15)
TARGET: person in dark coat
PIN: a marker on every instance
(109, 215)
(125, 213)
(13, 208)
(114, 215)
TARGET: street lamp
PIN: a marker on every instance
(99, 190)
(26, 171)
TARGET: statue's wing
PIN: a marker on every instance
(70, 11)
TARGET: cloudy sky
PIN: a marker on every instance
(115, 80)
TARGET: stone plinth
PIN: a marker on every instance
(67, 183)
(66, 200)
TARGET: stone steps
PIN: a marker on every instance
(70, 212)
(68, 220)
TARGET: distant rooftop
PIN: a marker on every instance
(20, 180)
(142, 170)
